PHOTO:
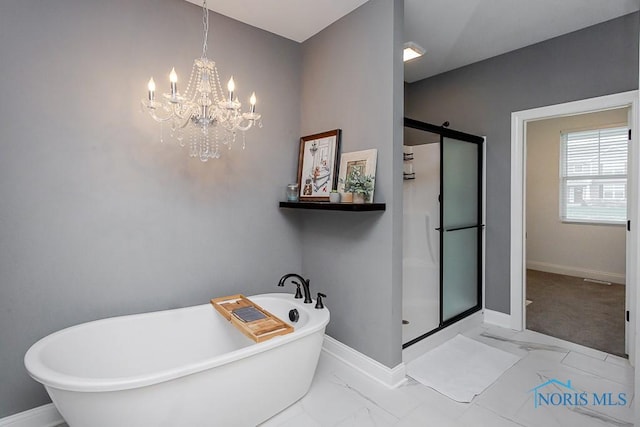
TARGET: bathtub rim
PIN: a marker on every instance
(42, 373)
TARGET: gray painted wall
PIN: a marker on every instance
(97, 218)
(352, 79)
(480, 98)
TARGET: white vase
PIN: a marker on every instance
(334, 197)
(358, 198)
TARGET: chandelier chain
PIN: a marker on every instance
(205, 24)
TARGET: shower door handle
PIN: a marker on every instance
(464, 228)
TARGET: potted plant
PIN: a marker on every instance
(334, 196)
(360, 185)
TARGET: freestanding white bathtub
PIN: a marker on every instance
(186, 367)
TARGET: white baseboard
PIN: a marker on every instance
(577, 272)
(42, 416)
(390, 377)
(497, 318)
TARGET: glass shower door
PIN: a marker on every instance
(460, 228)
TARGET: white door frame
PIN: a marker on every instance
(518, 197)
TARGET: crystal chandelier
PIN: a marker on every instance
(202, 114)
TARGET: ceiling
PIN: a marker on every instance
(293, 19)
(454, 33)
(461, 32)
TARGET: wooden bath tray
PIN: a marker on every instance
(235, 308)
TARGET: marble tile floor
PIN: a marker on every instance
(341, 396)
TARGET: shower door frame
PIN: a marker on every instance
(444, 132)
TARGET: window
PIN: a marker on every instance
(593, 176)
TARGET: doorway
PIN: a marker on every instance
(576, 215)
(443, 262)
(519, 122)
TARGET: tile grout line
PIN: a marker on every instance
(346, 385)
(504, 417)
(593, 374)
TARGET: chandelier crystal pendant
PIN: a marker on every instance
(203, 114)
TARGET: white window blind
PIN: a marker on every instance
(593, 176)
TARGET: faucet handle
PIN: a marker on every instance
(298, 291)
(319, 304)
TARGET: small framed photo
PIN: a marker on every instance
(318, 165)
(364, 160)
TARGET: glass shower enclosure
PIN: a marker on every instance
(460, 229)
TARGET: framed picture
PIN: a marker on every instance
(364, 160)
(318, 165)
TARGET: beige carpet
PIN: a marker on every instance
(590, 314)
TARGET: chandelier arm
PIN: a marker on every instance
(158, 118)
(152, 110)
(186, 116)
(230, 122)
(248, 126)
(182, 111)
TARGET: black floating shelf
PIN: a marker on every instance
(326, 206)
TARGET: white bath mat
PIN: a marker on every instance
(461, 367)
